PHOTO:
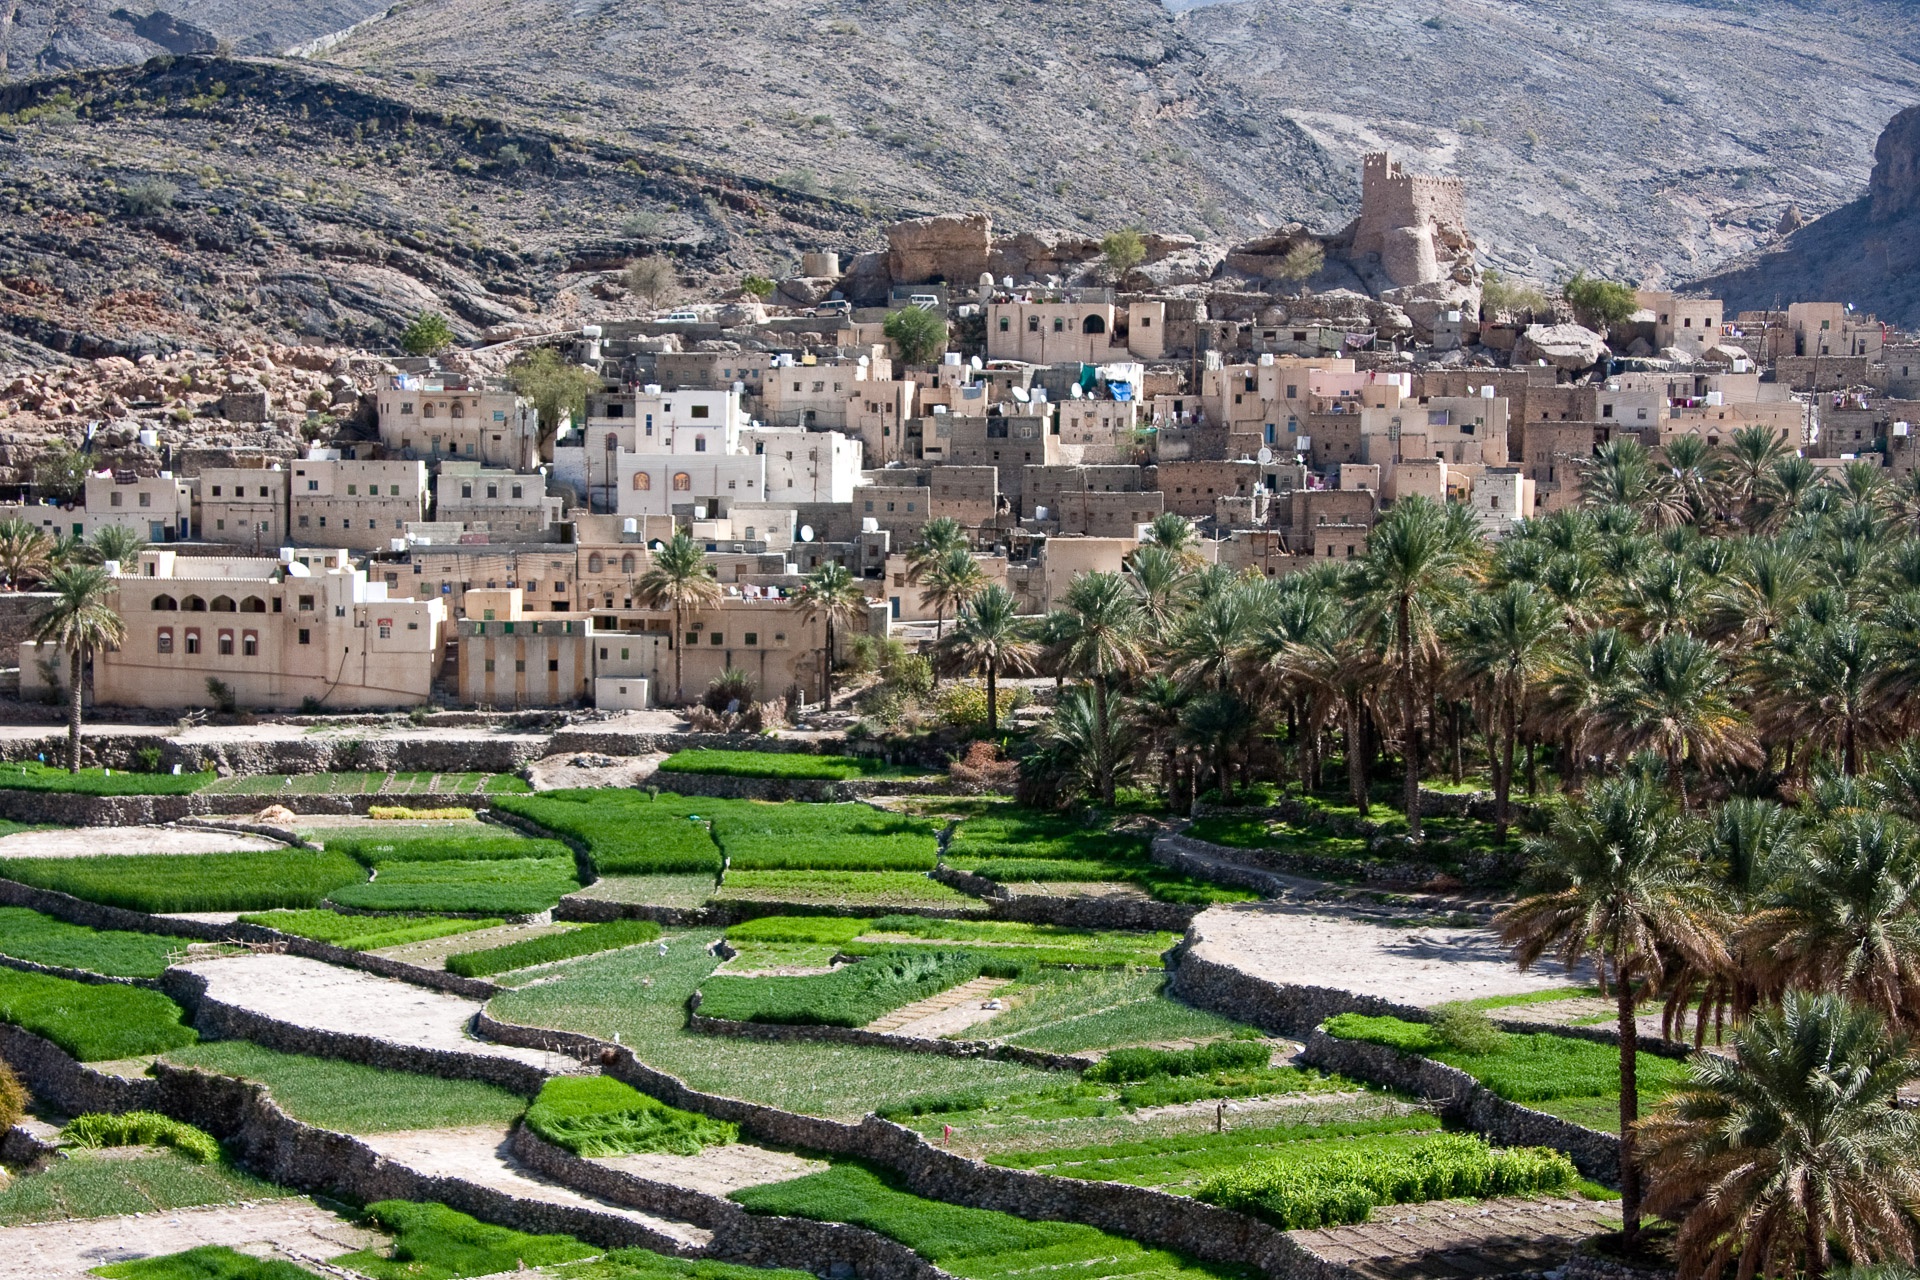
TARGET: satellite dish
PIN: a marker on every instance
(1020, 394)
(1266, 456)
(806, 533)
(976, 363)
(1073, 389)
(656, 545)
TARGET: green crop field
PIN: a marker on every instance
(256, 881)
(627, 832)
(379, 848)
(118, 953)
(979, 1244)
(208, 1262)
(1007, 831)
(784, 764)
(642, 1264)
(94, 1023)
(433, 1242)
(826, 837)
(90, 1185)
(854, 994)
(33, 776)
(353, 1098)
(1578, 1079)
(843, 890)
(373, 783)
(1242, 832)
(365, 933)
(1023, 943)
(1075, 1011)
(520, 886)
(552, 947)
(596, 1116)
(1180, 1162)
(642, 996)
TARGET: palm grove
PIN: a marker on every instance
(1705, 676)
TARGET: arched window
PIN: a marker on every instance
(165, 602)
(163, 640)
(682, 482)
(642, 481)
(1033, 324)
(426, 409)
(194, 604)
(223, 604)
(594, 563)
(253, 604)
(613, 441)
(626, 563)
(1094, 324)
(193, 640)
(250, 644)
(226, 644)
(456, 410)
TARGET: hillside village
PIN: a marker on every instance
(415, 515)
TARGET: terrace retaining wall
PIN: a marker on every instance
(1460, 1098)
(57, 1080)
(1291, 1009)
(97, 915)
(1151, 1217)
(317, 753)
(787, 1032)
(75, 975)
(727, 786)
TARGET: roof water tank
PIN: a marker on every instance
(629, 525)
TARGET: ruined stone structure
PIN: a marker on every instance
(1415, 224)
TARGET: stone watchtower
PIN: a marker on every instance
(1415, 224)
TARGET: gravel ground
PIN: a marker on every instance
(80, 842)
(1418, 965)
(294, 1229)
(574, 769)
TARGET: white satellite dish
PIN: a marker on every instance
(1266, 456)
(1020, 394)
(1073, 389)
(806, 533)
(976, 363)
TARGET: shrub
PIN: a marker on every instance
(400, 813)
(594, 1116)
(92, 1023)
(254, 881)
(965, 705)
(141, 1129)
(148, 196)
(854, 994)
(149, 758)
(221, 694)
(13, 1098)
(758, 286)
(433, 1242)
(554, 946)
(208, 1262)
(1339, 1183)
(919, 332)
(626, 832)
(1144, 1064)
(521, 886)
(1468, 1030)
(654, 279)
(365, 933)
(1123, 250)
(428, 335)
(851, 836)
(33, 776)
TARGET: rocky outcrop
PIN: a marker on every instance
(948, 247)
(1564, 346)
(1894, 187)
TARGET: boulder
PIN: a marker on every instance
(948, 247)
(805, 291)
(1046, 252)
(866, 280)
(1194, 263)
(1570, 347)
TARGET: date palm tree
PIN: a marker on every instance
(1677, 698)
(679, 578)
(1174, 533)
(1415, 566)
(1619, 886)
(1503, 649)
(82, 620)
(936, 538)
(1793, 1145)
(1844, 916)
(950, 582)
(26, 553)
(1751, 455)
(831, 594)
(1162, 578)
(989, 635)
(1100, 634)
(1577, 686)
(1091, 728)
(112, 542)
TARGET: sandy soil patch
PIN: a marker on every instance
(298, 1230)
(311, 994)
(83, 842)
(717, 1170)
(480, 1156)
(1418, 965)
(954, 1009)
(586, 769)
(1492, 1237)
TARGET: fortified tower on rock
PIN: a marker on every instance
(1416, 225)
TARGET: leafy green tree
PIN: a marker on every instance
(1600, 303)
(679, 578)
(1619, 885)
(1303, 261)
(920, 334)
(82, 620)
(1123, 250)
(60, 472)
(428, 335)
(1793, 1144)
(557, 390)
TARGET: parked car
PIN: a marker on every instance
(931, 301)
(679, 317)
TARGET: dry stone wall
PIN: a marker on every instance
(1288, 1010)
(788, 1032)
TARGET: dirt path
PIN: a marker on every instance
(479, 1156)
(1453, 1238)
(954, 1009)
(311, 994)
(88, 841)
(294, 1229)
(1410, 965)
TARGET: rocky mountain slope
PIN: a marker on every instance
(41, 36)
